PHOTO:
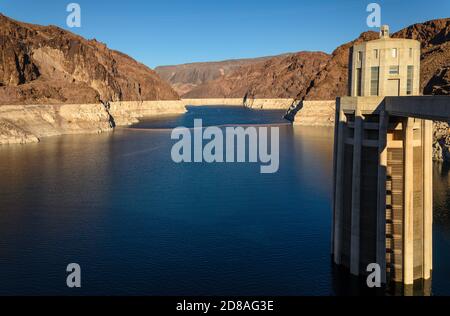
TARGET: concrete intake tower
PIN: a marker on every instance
(383, 193)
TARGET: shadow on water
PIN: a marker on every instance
(345, 284)
(441, 228)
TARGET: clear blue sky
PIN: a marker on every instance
(181, 31)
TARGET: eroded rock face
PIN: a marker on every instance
(439, 83)
(48, 65)
(187, 77)
(13, 134)
(277, 77)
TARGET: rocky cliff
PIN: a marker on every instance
(48, 65)
(277, 77)
(186, 77)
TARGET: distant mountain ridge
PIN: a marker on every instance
(277, 77)
(186, 77)
(48, 65)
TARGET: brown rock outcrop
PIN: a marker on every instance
(277, 77)
(48, 65)
(186, 77)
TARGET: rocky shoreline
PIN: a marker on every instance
(22, 124)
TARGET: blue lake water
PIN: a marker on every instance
(140, 224)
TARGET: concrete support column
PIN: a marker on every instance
(381, 207)
(408, 234)
(356, 194)
(338, 184)
(335, 147)
(427, 142)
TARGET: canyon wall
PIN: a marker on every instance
(278, 77)
(186, 77)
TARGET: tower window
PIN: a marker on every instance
(394, 70)
(360, 56)
(394, 52)
(358, 82)
(374, 80)
(410, 53)
(375, 53)
(410, 80)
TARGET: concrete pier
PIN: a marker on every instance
(356, 194)
(381, 202)
(339, 185)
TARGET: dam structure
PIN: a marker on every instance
(382, 187)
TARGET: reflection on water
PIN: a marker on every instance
(138, 223)
(344, 284)
(441, 229)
